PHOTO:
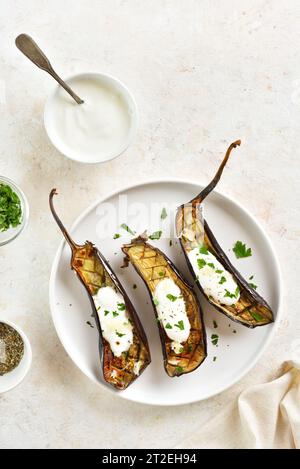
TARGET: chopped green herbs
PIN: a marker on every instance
(155, 235)
(115, 314)
(90, 324)
(155, 301)
(210, 264)
(214, 359)
(190, 348)
(179, 369)
(121, 306)
(161, 274)
(252, 285)
(168, 326)
(106, 312)
(163, 214)
(119, 334)
(170, 243)
(203, 250)
(214, 339)
(251, 278)
(256, 316)
(10, 208)
(117, 235)
(218, 271)
(171, 297)
(232, 295)
(126, 228)
(240, 250)
(201, 263)
(222, 280)
(215, 324)
(180, 325)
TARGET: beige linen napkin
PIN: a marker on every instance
(264, 416)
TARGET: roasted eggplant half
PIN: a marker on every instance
(176, 307)
(123, 345)
(219, 281)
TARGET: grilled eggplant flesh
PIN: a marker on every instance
(250, 309)
(153, 267)
(94, 273)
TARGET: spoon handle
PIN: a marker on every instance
(29, 48)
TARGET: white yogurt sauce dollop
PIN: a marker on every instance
(171, 312)
(97, 129)
(115, 326)
(216, 282)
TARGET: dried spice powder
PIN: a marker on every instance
(11, 348)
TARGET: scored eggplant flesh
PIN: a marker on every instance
(153, 267)
(95, 273)
(250, 309)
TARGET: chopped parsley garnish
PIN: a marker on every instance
(115, 314)
(161, 274)
(155, 301)
(155, 235)
(180, 325)
(232, 295)
(168, 326)
(214, 339)
(119, 334)
(222, 280)
(190, 348)
(163, 214)
(256, 316)
(117, 235)
(170, 242)
(214, 359)
(210, 264)
(179, 369)
(215, 324)
(218, 271)
(121, 306)
(252, 285)
(237, 292)
(240, 250)
(201, 263)
(171, 297)
(106, 312)
(90, 324)
(10, 208)
(203, 250)
(126, 228)
(251, 278)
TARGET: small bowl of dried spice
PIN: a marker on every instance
(15, 355)
(14, 210)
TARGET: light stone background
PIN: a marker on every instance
(204, 73)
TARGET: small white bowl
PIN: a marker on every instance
(76, 154)
(12, 233)
(13, 378)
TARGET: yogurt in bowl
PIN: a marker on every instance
(98, 130)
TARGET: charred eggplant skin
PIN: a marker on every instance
(251, 310)
(93, 271)
(195, 350)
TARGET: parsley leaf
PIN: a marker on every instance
(10, 208)
(256, 316)
(214, 339)
(222, 280)
(156, 235)
(218, 271)
(121, 306)
(168, 326)
(240, 250)
(126, 228)
(252, 285)
(203, 250)
(155, 301)
(119, 334)
(180, 325)
(179, 369)
(163, 214)
(171, 297)
(117, 235)
(201, 263)
(210, 264)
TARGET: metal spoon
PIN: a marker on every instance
(29, 48)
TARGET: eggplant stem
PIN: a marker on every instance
(210, 187)
(68, 238)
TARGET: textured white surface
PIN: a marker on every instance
(203, 73)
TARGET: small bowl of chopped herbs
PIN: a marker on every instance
(15, 355)
(14, 210)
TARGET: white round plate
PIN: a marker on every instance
(238, 349)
